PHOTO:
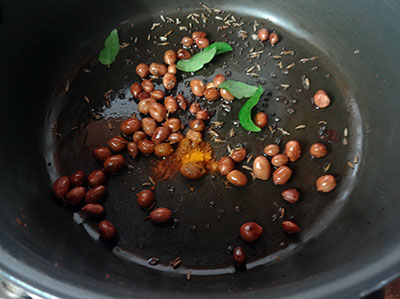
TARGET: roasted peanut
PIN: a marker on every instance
(237, 178)
(279, 160)
(95, 194)
(290, 195)
(261, 168)
(250, 231)
(192, 170)
(293, 150)
(318, 150)
(142, 70)
(239, 154)
(282, 175)
(326, 183)
(271, 150)
(262, 34)
(61, 186)
(225, 165)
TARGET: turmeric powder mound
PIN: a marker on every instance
(188, 152)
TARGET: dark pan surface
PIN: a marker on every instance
(207, 220)
(46, 251)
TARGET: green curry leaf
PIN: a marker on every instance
(238, 89)
(200, 59)
(220, 46)
(111, 48)
(197, 61)
(245, 112)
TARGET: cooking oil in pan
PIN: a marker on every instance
(207, 214)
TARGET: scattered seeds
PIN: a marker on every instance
(188, 276)
(107, 102)
(247, 167)
(344, 141)
(327, 167)
(283, 131)
(254, 36)
(217, 124)
(227, 17)
(107, 94)
(163, 44)
(271, 130)
(345, 132)
(300, 127)
(277, 57)
(124, 45)
(220, 28)
(355, 160)
(290, 66)
(356, 52)
(219, 18)
(232, 133)
(146, 184)
(204, 18)
(229, 149)
(136, 40)
(66, 86)
(215, 134)
(149, 36)
(253, 74)
(322, 122)
(304, 60)
(110, 126)
(86, 99)
(255, 25)
(168, 33)
(314, 58)
(243, 34)
(351, 165)
(290, 52)
(285, 86)
(154, 26)
(280, 64)
(152, 180)
(170, 20)
(249, 158)
(153, 261)
(209, 11)
(219, 140)
(176, 262)
(162, 18)
(250, 69)
(306, 82)
(183, 28)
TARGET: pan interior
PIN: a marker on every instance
(207, 215)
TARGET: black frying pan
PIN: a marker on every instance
(349, 240)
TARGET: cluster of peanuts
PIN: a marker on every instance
(252, 231)
(154, 134)
(264, 35)
(262, 166)
(157, 132)
(168, 70)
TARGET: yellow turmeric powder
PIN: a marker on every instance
(187, 152)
